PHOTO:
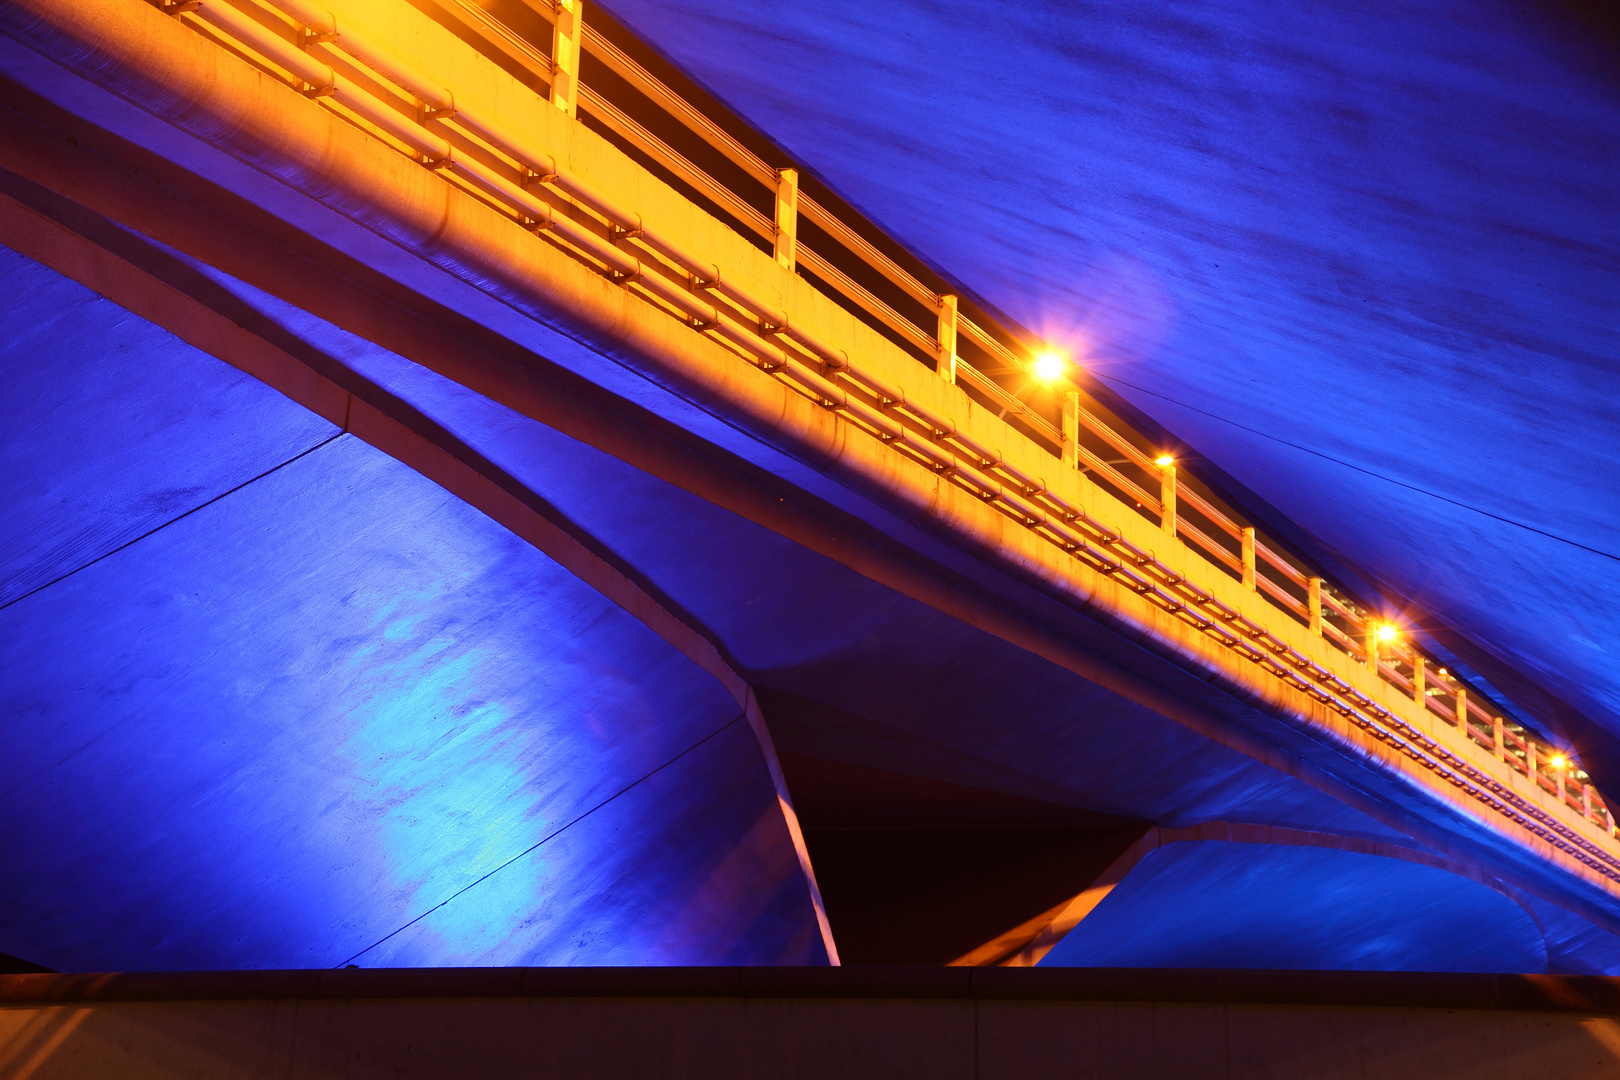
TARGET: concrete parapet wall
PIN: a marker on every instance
(729, 1022)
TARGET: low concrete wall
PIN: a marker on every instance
(789, 1023)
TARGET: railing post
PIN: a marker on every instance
(787, 217)
(566, 91)
(945, 362)
(1530, 766)
(1167, 499)
(1071, 429)
(565, 36)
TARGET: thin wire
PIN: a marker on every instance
(1363, 469)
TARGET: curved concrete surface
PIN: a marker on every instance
(323, 711)
(1238, 905)
(272, 698)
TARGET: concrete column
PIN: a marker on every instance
(1313, 599)
(1420, 687)
(1248, 559)
(1462, 708)
(1071, 429)
(787, 217)
(1369, 640)
(565, 37)
(1497, 737)
(1167, 499)
(945, 362)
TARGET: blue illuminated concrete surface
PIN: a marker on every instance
(1363, 259)
(905, 683)
(1225, 905)
(339, 716)
(336, 715)
(101, 444)
(272, 698)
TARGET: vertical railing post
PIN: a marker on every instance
(1462, 708)
(1558, 777)
(1313, 598)
(1530, 766)
(1248, 557)
(1498, 736)
(1071, 429)
(1369, 640)
(787, 217)
(945, 361)
(1420, 680)
(565, 36)
(1586, 798)
(1167, 499)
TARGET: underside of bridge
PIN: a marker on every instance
(353, 614)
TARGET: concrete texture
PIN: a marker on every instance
(100, 447)
(1223, 905)
(339, 715)
(438, 748)
(335, 703)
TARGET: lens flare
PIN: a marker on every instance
(1164, 459)
(1050, 366)
(1387, 632)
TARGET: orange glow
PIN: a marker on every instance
(1050, 366)
(1164, 459)
(1558, 761)
(1387, 632)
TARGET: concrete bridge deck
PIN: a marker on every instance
(784, 565)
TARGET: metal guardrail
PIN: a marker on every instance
(301, 41)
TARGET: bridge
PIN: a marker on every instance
(476, 501)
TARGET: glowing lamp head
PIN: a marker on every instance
(1387, 632)
(1050, 366)
(1558, 761)
(1164, 459)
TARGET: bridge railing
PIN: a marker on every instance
(872, 277)
(1212, 530)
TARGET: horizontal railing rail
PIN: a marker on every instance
(319, 57)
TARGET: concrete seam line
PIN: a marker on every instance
(177, 518)
(558, 831)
